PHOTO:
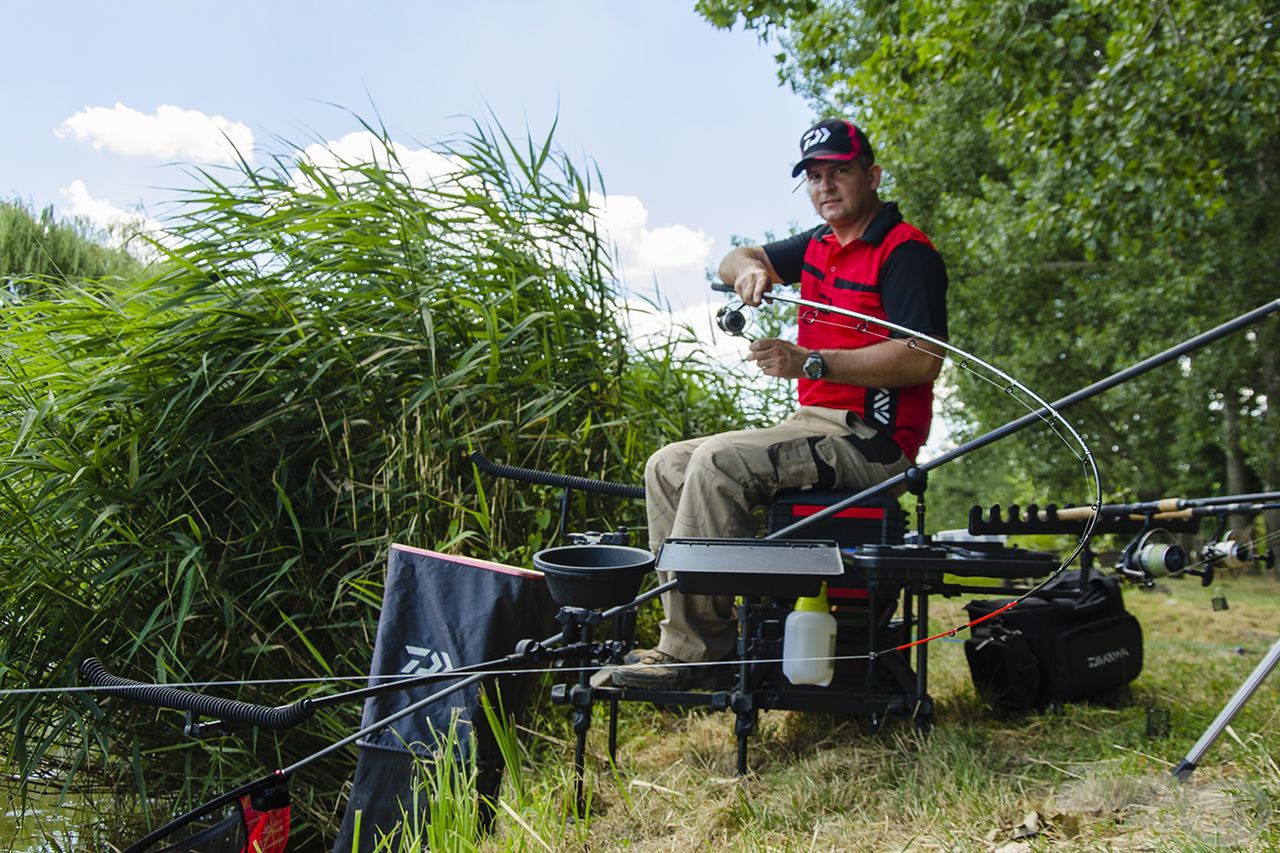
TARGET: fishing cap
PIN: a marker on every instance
(832, 139)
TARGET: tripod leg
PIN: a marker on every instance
(1188, 765)
(613, 731)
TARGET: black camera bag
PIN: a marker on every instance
(1054, 649)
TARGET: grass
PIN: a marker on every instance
(1089, 773)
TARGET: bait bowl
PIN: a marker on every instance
(596, 577)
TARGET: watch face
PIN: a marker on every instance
(814, 366)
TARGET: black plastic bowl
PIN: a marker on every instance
(593, 576)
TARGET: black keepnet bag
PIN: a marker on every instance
(439, 612)
(1053, 650)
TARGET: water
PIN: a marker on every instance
(43, 825)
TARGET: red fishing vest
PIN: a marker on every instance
(849, 277)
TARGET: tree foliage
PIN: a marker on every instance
(39, 251)
(1100, 177)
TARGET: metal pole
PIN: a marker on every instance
(998, 433)
(1188, 765)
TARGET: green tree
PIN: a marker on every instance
(39, 250)
(1100, 177)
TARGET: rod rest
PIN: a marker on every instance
(546, 478)
(227, 710)
(1046, 520)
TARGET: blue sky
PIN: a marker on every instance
(688, 124)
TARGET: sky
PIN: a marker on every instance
(688, 125)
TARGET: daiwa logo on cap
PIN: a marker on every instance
(831, 139)
(816, 136)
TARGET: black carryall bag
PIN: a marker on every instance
(1049, 650)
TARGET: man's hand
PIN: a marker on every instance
(777, 357)
(748, 270)
(752, 283)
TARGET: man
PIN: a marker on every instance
(865, 399)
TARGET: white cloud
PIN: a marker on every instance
(120, 225)
(667, 262)
(170, 132)
(422, 166)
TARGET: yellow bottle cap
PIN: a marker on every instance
(815, 604)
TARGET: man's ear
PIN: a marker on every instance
(873, 176)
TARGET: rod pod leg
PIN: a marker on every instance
(580, 699)
(743, 699)
(1188, 765)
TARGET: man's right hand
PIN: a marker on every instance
(752, 284)
(748, 270)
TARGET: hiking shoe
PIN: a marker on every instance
(603, 677)
(651, 669)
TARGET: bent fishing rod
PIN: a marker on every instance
(1038, 415)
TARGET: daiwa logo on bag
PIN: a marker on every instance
(425, 661)
(1105, 658)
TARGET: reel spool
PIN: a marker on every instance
(1148, 559)
(731, 321)
(1228, 553)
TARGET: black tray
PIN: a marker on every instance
(970, 559)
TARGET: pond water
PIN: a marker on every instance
(44, 824)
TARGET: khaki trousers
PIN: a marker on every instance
(708, 487)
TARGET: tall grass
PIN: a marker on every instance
(201, 466)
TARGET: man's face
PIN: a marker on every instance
(842, 192)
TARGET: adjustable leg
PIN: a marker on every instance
(873, 629)
(743, 696)
(922, 650)
(581, 719)
(744, 727)
(1188, 765)
(581, 697)
(613, 731)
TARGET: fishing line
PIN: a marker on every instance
(447, 675)
(867, 325)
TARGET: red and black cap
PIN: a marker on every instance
(832, 139)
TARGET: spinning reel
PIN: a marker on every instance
(1228, 553)
(731, 320)
(1225, 551)
(1144, 559)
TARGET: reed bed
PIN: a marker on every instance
(204, 460)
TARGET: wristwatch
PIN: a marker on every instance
(814, 367)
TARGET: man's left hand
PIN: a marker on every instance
(777, 357)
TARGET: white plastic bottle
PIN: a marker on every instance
(809, 642)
